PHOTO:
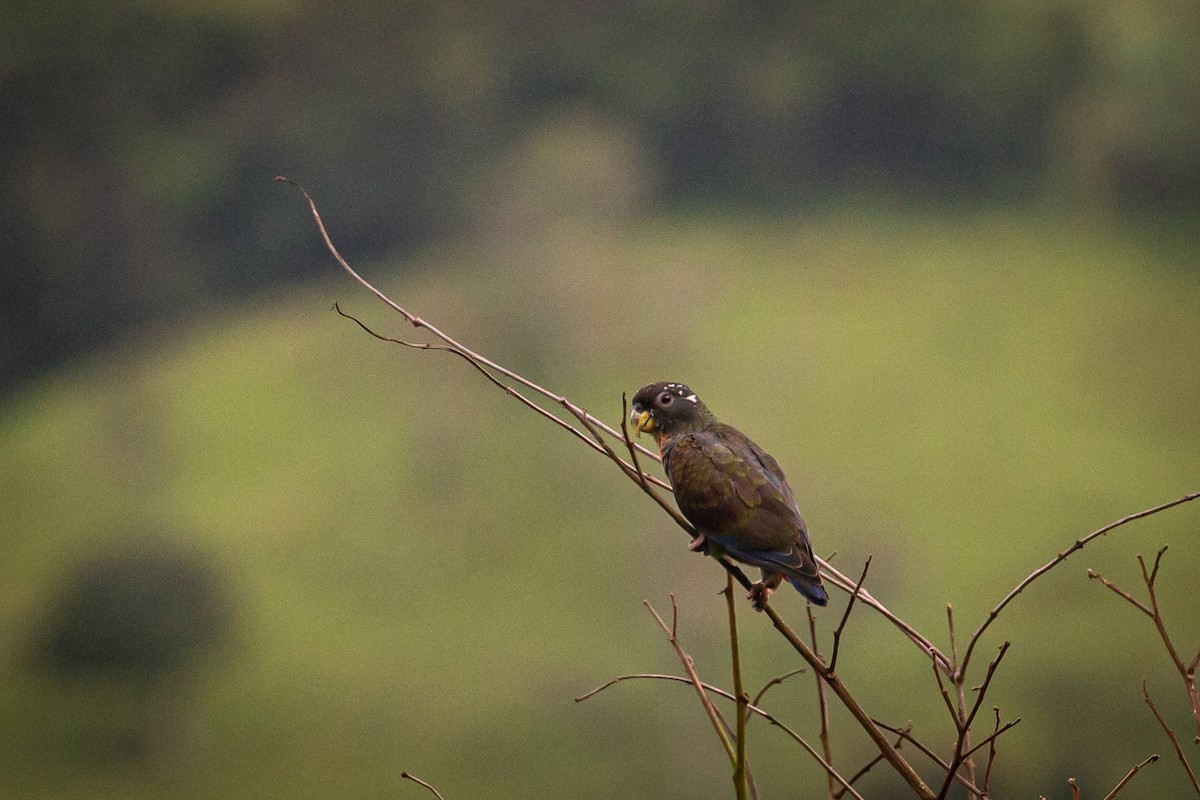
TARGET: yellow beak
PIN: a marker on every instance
(643, 423)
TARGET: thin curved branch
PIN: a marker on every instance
(415, 779)
(418, 322)
(1058, 559)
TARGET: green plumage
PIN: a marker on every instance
(730, 489)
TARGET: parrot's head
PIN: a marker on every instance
(668, 410)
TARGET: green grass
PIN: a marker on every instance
(425, 574)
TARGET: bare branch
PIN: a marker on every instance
(417, 322)
(990, 739)
(768, 716)
(987, 770)
(415, 779)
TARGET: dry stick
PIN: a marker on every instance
(822, 704)
(768, 716)
(889, 751)
(1171, 735)
(415, 779)
(959, 681)
(987, 771)
(837, 633)
(1054, 562)
(1129, 775)
(961, 746)
(689, 666)
(739, 764)
(1154, 612)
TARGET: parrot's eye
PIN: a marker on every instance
(665, 399)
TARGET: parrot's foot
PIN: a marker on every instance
(758, 595)
(699, 544)
(760, 591)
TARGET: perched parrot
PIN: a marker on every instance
(730, 489)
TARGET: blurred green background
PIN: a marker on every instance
(939, 259)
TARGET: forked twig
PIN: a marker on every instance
(906, 734)
(1187, 767)
(1187, 672)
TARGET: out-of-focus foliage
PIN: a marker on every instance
(425, 574)
(139, 138)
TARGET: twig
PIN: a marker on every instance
(1129, 775)
(837, 632)
(739, 764)
(907, 735)
(987, 771)
(1133, 601)
(415, 779)
(689, 666)
(962, 747)
(774, 682)
(834, 681)
(990, 739)
(1171, 735)
(822, 703)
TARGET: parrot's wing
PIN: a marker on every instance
(732, 493)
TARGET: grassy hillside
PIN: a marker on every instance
(422, 574)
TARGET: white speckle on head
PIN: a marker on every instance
(691, 398)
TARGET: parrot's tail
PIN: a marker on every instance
(813, 591)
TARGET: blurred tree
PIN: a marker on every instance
(135, 615)
(140, 139)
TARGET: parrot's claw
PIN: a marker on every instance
(758, 595)
(699, 544)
